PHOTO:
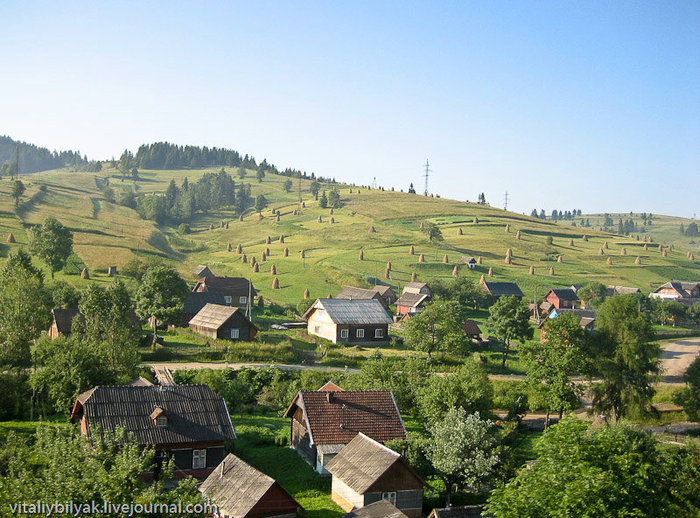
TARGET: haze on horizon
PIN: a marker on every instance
(564, 105)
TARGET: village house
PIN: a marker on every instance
(196, 300)
(63, 320)
(586, 319)
(386, 293)
(379, 509)
(410, 304)
(324, 421)
(203, 270)
(562, 298)
(366, 471)
(187, 423)
(501, 289)
(237, 291)
(357, 322)
(418, 288)
(469, 261)
(472, 330)
(680, 291)
(240, 491)
(620, 290)
(352, 293)
(223, 322)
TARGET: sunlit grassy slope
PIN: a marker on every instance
(108, 234)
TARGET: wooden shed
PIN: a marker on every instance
(240, 491)
(366, 471)
(379, 509)
(224, 322)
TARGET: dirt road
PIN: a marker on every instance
(676, 356)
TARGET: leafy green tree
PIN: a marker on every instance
(241, 173)
(592, 293)
(463, 290)
(437, 328)
(314, 188)
(287, 186)
(614, 471)
(334, 199)
(627, 359)
(552, 363)
(323, 200)
(260, 203)
(432, 231)
(468, 388)
(161, 297)
(689, 396)
(58, 467)
(17, 191)
(510, 320)
(53, 243)
(63, 295)
(464, 450)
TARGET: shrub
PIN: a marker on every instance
(184, 228)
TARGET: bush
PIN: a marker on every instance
(304, 306)
(184, 228)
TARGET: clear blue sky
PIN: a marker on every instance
(592, 105)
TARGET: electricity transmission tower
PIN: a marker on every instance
(505, 201)
(427, 173)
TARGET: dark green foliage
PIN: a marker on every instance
(287, 186)
(17, 191)
(611, 471)
(437, 328)
(304, 306)
(184, 228)
(161, 296)
(510, 320)
(689, 396)
(334, 199)
(260, 203)
(63, 295)
(314, 187)
(53, 243)
(33, 158)
(592, 293)
(463, 290)
(323, 200)
(411, 189)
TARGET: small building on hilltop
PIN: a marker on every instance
(187, 423)
(562, 298)
(379, 509)
(324, 421)
(502, 289)
(240, 491)
(469, 261)
(237, 291)
(223, 322)
(202, 270)
(355, 322)
(366, 471)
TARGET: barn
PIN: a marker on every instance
(223, 322)
(357, 322)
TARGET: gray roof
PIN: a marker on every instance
(140, 382)
(329, 448)
(379, 509)
(202, 270)
(467, 260)
(350, 292)
(351, 312)
(620, 290)
(503, 289)
(565, 294)
(196, 300)
(195, 413)
(362, 462)
(412, 299)
(236, 487)
(213, 316)
(415, 287)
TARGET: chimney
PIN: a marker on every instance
(330, 397)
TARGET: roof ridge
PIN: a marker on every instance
(395, 454)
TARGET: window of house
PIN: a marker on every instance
(379, 333)
(235, 333)
(317, 329)
(199, 459)
(344, 333)
(243, 300)
(389, 496)
(227, 299)
(360, 333)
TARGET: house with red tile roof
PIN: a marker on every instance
(324, 421)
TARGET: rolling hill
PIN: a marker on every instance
(109, 234)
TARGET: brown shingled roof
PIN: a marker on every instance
(337, 417)
(379, 509)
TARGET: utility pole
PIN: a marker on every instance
(374, 183)
(427, 173)
(505, 202)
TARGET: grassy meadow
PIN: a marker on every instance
(107, 234)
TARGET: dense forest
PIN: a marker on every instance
(33, 158)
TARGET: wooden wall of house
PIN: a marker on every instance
(397, 477)
(211, 333)
(369, 334)
(301, 439)
(275, 503)
(237, 321)
(346, 497)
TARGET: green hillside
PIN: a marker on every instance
(108, 234)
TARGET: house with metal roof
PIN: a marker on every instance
(188, 423)
(469, 261)
(382, 293)
(357, 322)
(240, 491)
(366, 471)
(324, 421)
(620, 290)
(379, 509)
(196, 300)
(501, 289)
(410, 304)
(223, 322)
(417, 287)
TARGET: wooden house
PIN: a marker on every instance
(382, 293)
(386, 293)
(471, 329)
(324, 421)
(620, 290)
(188, 423)
(365, 472)
(237, 291)
(196, 300)
(562, 298)
(379, 509)
(410, 304)
(223, 322)
(240, 491)
(586, 319)
(202, 270)
(417, 287)
(469, 261)
(502, 289)
(354, 322)
(62, 324)
(677, 291)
